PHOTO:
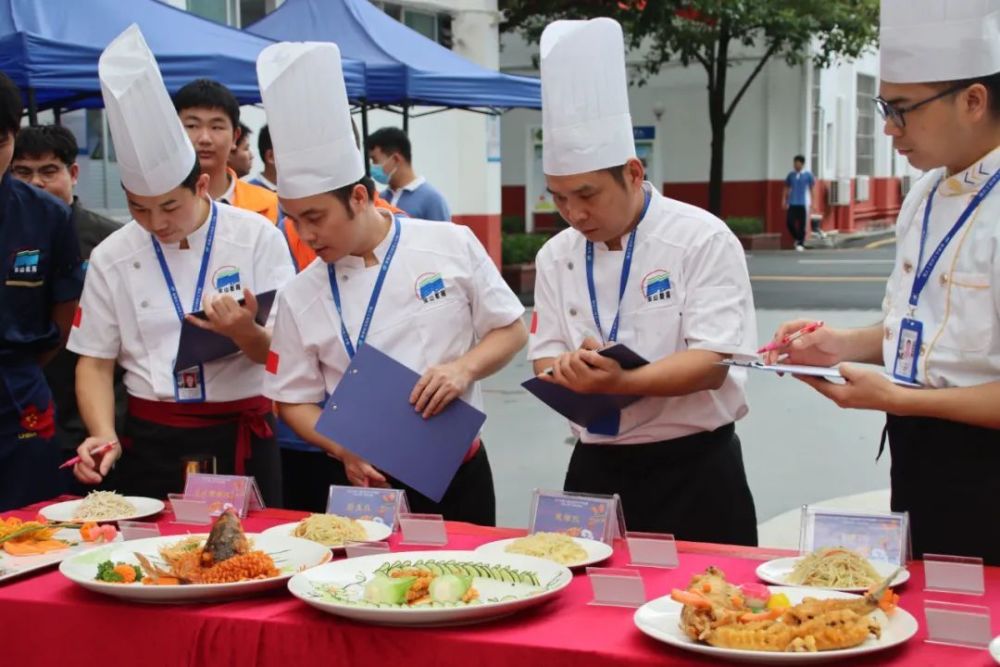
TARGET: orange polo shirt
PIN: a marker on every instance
(254, 198)
(303, 254)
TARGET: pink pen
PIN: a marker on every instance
(100, 450)
(784, 342)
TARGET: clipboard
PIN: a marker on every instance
(198, 346)
(829, 373)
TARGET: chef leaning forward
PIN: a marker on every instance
(940, 97)
(667, 279)
(425, 293)
(181, 253)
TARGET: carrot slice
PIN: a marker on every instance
(691, 598)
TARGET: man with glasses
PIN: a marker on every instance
(939, 339)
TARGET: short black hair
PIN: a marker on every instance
(391, 140)
(264, 141)
(208, 94)
(11, 106)
(245, 132)
(617, 173)
(991, 83)
(800, 158)
(34, 142)
(344, 193)
(191, 182)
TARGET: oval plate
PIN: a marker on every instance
(778, 570)
(143, 507)
(596, 551)
(376, 532)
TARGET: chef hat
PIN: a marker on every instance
(153, 150)
(924, 41)
(303, 88)
(586, 124)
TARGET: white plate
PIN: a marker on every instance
(15, 566)
(290, 554)
(65, 511)
(376, 531)
(778, 570)
(660, 619)
(497, 598)
(596, 551)
(995, 649)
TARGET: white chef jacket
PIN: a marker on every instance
(688, 289)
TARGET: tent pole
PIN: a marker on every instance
(57, 116)
(32, 108)
(406, 119)
(364, 136)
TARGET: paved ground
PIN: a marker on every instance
(829, 279)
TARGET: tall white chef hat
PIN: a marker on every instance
(303, 88)
(923, 41)
(153, 150)
(586, 123)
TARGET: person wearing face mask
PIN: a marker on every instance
(181, 252)
(391, 155)
(667, 279)
(425, 293)
(939, 337)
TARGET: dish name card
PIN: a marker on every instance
(577, 515)
(877, 536)
(616, 587)
(957, 624)
(423, 529)
(652, 549)
(221, 490)
(954, 574)
(366, 503)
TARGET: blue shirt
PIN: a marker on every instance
(420, 200)
(799, 183)
(40, 265)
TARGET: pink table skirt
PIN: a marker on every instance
(47, 620)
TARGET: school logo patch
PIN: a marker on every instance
(656, 286)
(430, 287)
(25, 269)
(227, 280)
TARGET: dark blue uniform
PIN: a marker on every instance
(39, 267)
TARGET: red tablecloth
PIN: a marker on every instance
(47, 620)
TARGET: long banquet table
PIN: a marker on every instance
(47, 620)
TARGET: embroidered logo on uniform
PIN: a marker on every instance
(430, 287)
(25, 269)
(656, 286)
(272, 362)
(227, 280)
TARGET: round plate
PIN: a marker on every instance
(290, 554)
(375, 531)
(596, 551)
(336, 588)
(660, 619)
(778, 570)
(143, 507)
(995, 649)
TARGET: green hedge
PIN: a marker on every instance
(745, 226)
(521, 248)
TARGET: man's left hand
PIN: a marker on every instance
(864, 389)
(438, 387)
(587, 372)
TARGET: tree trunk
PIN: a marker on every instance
(717, 119)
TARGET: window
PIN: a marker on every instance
(865, 142)
(235, 13)
(817, 123)
(436, 27)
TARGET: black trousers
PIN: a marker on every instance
(152, 462)
(470, 496)
(947, 476)
(795, 218)
(694, 487)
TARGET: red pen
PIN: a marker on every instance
(100, 450)
(784, 342)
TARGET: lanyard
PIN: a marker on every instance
(626, 268)
(372, 302)
(924, 274)
(209, 241)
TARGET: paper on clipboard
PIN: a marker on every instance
(791, 369)
(199, 346)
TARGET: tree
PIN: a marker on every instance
(707, 31)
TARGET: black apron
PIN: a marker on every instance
(947, 476)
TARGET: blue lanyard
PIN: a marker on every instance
(209, 241)
(626, 268)
(372, 302)
(924, 274)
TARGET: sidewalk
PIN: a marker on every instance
(855, 240)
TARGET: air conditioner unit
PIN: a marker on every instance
(839, 192)
(905, 183)
(862, 187)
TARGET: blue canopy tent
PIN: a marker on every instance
(402, 67)
(50, 49)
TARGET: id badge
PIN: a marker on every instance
(911, 333)
(189, 385)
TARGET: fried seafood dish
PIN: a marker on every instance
(720, 614)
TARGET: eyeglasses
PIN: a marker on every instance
(890, 111)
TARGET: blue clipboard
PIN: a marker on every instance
(586, 409)
(198, 346)
(369, 414)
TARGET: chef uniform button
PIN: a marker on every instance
(144, 304)
(907, 266)
(944, 278)
(572, 312)
(888, 333)
(569, 265)
(136, 265)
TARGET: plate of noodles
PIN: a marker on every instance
(836, 569)
(332, 530)
(556, 547)
(429, 588)
(225, 563)
(103, 506)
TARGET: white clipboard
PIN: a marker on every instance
(830, 373)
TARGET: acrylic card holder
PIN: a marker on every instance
(423, 529)
(591, 517)
(876, 536)
(220, 490)
(957, 624)
(190, 510)
(954, 574)
(616, 587)
(652, 549)
(358, 549)
(138, 530)
(368, 504)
